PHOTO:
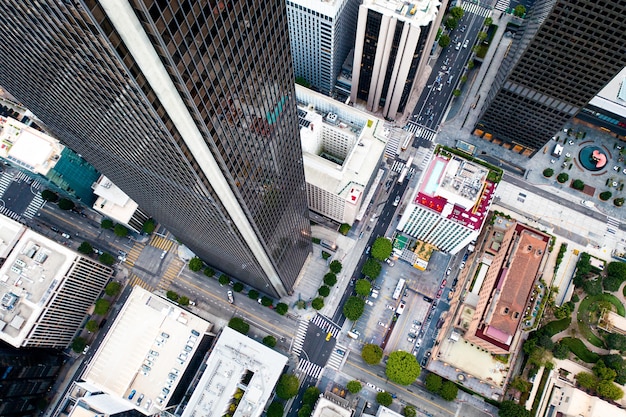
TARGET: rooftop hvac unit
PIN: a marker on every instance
(41, 257)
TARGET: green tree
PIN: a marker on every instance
(195, 264)
(470, 64)
(253, 294)
(605, 195)
(603, 372)
(444, 41)
(578, 184)
(616, 341)
(457, 12)
(305, 411)
(318, 303)
(238, 324)
(511, 409)
(456, 93)
(354, 386)
(85, 248)
(324, 291)
(409, 411)
(282, 308)
(330, 279)
(560, 351)
(381, 248)
(148, 226)
(310, 396)
(106, 224)
(183, 300)
(617, 269)
(402, 367)
(433, 383)
(562, 177)
(344, 229)
(618, 202)
(91, 326)
(275, 409)
(172, 295)
(520, 384)
(548, 172)
(223, 279)
(335, 267)
(362, 287)
(238, 287)
(464, 78)
(587, 380)
(266, 301)
(520, 10)
(208, 271)
(78, 344)
(449, 391)
(50, 196)
(593, 286)
(451, 23)
(384, 398)
(482, 36)
(287, 386)
(371, 268)
(107, 259)
(488, 22)
(65, 204)
(120, 230)
(102, 307)
(372, 354)
(353, 308)
(609, 390)
(113, 288)
(269, 341)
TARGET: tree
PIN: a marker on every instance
(120, 230)
(238, 287)
(511, 409)
(609, 390)
(324, 291)
(344, 228)
(113, 288)
(107, 259)
(102, 306)
(65, 204)
(456, 93)
(548, 172)
(562, 177)
(172, 295)
(578, 185)
(520, 10)
(238, 324)
(362, 287)
(148, 226)
(91, 326)
(604, 196)
(587, 380)
(616, 341)
(371, 268)
(381, 248)
(617, 269)
(457, 12)
(470, 64)
(78, 344)
(269, 341)
(208, 271)
(354, 386)
(310, 396)
(409, 411)
(287, 386)
(195, 264)
(305, 411)
(266, 301)
(444, 41)
(482, 36)
(85, 248)
(318, 303)
(488, 22)
(560, 351)
(520, 384)
(402, 367)
(49, 196)
(602, 372)
(371, 354)
(593, 287)
(618, 202)
(464, 78)
(275, 409)
(384, 398)
(449, 391)
(281, 308)
(253, 294)
(106, 224)
(353, 308)
(335, 267)
(330, 279)
(451, 23)
(183, 300)
(433, 383)
(223, 279)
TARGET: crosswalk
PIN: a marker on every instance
(421, 131)
(397, 166)
(170, 274)
(476, 9)
(337, 357)
(5, 180)
(612, 225)
(298, 342)
(326, 325)
(161, 242)
(134, 280)
(33, 207)
(10, 213)
(309, 368)
(502, 5)
(134, 252)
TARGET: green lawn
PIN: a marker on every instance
(579, 349)
(557, 326)
(593, 302)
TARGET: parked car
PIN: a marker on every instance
(231, 299)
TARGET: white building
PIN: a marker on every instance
(342, 150)
(28, 147)
(322, 34)
(450, 203)
(240, 373)
(116, 205)
(608, 108)
(393, 43)
(46, 289)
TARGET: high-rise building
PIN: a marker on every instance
(322, 34)
(187, 106)
(392, 46)
(607, 110)
(562, 55)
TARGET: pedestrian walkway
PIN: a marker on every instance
(161, 242)
(10, 213)
(170, 274)
(5, 180)
(326, 325)
(34, 206)
(421, 131)
(133, 253)
(397, 166)
(502, 5)
(574, 331)
(336, 359)
(298, 341)
(309, 368)
(134, 280)
(475, 9)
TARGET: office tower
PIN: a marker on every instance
(27, 375)
(562, 55)
(187, 106)
(322, 34)
(607, 110)
(46, 289)
(393, 43)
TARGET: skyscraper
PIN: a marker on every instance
(563, 54)
(188, 106)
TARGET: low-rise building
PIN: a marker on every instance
(331, 405)
(116, 205)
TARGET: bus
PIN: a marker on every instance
(398, 291)
(405, 170)
(328, 244)
(407, 142)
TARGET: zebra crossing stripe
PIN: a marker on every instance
(475, 9)
(502, 5)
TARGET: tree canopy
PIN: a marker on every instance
(362, 287)
(323, 291)
(106, 258)
(444, 41)
(148, 226)
(449, 391)
(113, 288)
(457, 12)
(91, 326)
(237, 323)
(330, 279)
(305, 411)
(402, 367)
(106, 224)
(520, 10)
(275, 409)
(372, 354)
(335, 267)
(85, 248)
(512, 409)
(381, 248)
(384, 398)
(318, 303)
(120, 230)
(353, 308)
(310, 396)
(287, 386)
(78, 344)
(409, 411)
(65, 204)
(354, 386)
(102, 307)
(371, 268)
(433, 383)
(281, 308)
(49, 196)
(195, 264)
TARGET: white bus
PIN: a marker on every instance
(398, 291)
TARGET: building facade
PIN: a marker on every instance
(322, 34)
(392, 46)
(189, 107)
(562, 55)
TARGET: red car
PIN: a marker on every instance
(443, 283)
(439, 293)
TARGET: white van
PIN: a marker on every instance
(588, 203)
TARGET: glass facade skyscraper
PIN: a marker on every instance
(187, 105)
(563, 54)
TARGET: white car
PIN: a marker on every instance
(466, 43)
(396, 201)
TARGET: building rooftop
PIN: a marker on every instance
(386, 412)
(112, 201)
(28, 147)
(239, 372)
(325, 7)
(415, 12)
(613, 96)
(34, 269)
(146, 350)
(327, 408)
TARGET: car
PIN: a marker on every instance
(455, 281)
(148, 363)
(192, 339)
(195, 333)
(65, 235)
(175, 371)
(463, 28)
(165, 390)
(188, 348)
(465, 43)
(424, 362)
(417, 322)
(390, 307)
(552, 160)
(163, 254)
(377, 287)
(444, 68)
(153, 353)
(443, 283)
(379, 389)
(372, 386)
(121, 253)
(369, 303)
(448, 271)
(165, 335)
(412, 335)
(86, 349)
(450, 80)
(380, 323)
(389, 262)
(439, 88)
(428, 353)
(54, 229)
(458, 46)
(396, 201)
(428, 299)
(132, 394)
(147, 404)
(159, 341)
(462, 265)
(341, 352)
(139, 399)
(418, 343)
(570, 142)
(150, 358)
(121, 258)
(231, 299)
